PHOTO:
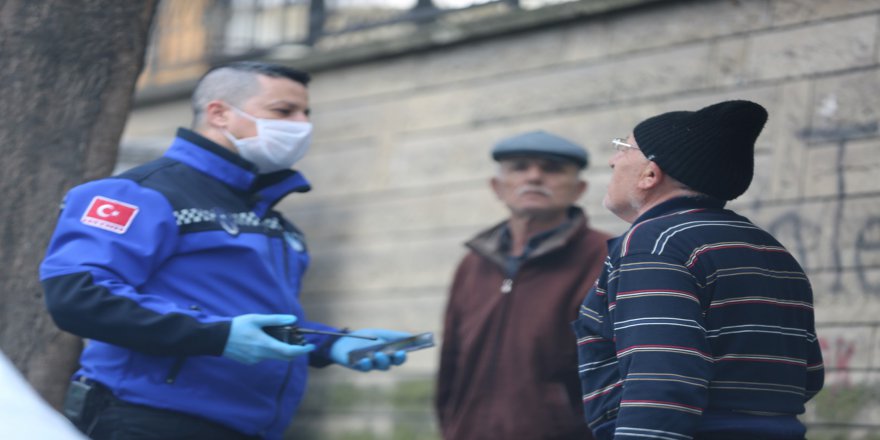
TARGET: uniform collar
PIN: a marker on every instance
(208, 157)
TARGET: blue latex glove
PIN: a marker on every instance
(340, 349)
(249, 344)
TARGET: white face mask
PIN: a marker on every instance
(278, 144)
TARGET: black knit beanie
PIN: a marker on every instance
(711, 150)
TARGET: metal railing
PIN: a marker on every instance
(191, 35)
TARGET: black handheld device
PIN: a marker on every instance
(417, 342)
(292, 334)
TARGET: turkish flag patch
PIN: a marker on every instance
(109, 214)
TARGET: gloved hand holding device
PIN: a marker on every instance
(379, 361)
(249, 344)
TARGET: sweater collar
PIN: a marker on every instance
(684, 203)
(208, 157)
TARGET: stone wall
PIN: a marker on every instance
(400, 170)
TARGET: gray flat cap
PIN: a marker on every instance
(541, 143)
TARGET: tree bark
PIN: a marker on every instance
(67, 77)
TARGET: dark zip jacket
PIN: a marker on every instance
(153, 264)
(508, 361)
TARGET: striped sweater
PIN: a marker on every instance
(700, 324)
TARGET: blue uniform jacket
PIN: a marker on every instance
(152, 265)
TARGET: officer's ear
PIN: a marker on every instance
(217, 114)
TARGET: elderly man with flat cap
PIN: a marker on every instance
(701, 325)
(508, 362)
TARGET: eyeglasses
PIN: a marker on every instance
(620, 145)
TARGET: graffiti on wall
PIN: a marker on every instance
(802, 233)
(866, 253)
(838, 353)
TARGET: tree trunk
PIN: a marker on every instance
(67, 77)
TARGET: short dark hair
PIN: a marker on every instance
(236, 82)
(267, 69)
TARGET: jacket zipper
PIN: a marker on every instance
(507, 285)
(285, 261)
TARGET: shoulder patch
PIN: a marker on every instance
(108, 214)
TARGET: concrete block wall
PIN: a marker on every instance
(400, 169)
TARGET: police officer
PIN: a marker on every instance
(174, 268)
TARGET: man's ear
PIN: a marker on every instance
(651, 176)
(217, 114)
(496, 186)
(582, 187)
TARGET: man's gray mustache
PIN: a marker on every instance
(532, 188)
